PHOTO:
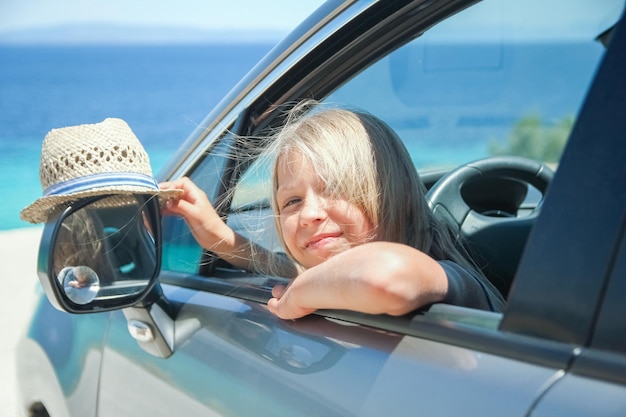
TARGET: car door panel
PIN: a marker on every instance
(577, 396)
(238, 359)
(595, 385)
(62, 355)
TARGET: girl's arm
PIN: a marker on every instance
(374, 278)
(213, 234)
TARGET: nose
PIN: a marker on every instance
(312, 212)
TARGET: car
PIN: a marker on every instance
(513, 112)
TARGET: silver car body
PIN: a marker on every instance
(230, 356)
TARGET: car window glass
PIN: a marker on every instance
(494, 79)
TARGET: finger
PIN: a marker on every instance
(278, 291)
(166, 185)
(272, 306)
(175, 184)
(184, 183)
(166, 210)
(281, 309)
(191, 212)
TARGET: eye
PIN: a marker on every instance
(290, 202)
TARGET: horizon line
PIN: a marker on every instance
(116, 33)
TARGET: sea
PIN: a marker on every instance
(162, 92)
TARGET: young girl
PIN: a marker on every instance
(351, 213)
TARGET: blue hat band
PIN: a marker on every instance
(113, 179)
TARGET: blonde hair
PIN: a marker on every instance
(360, 158)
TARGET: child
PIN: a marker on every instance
(351, 213)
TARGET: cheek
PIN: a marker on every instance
(288, 228)
(359, 224)
(365, 230)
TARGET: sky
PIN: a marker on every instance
(275, 15)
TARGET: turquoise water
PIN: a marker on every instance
(21, 171)
(163, 92)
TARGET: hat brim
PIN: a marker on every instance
(42, 208)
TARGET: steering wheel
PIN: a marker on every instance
(481, 201)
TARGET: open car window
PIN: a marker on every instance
(250, 212)
(509, 89)
(181, 252)
(513, 88)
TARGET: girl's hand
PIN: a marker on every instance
(189, 203)
(193, 205)
(282, 304)
(207, 227)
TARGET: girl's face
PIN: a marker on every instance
(315, 227)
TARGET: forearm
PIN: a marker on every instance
(228, 245)
(375, 278)
(387, 278)
(245, 254)
(213, 234)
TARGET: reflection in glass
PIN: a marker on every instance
(109, 241)
(81, 283)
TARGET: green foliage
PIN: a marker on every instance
(532, 138)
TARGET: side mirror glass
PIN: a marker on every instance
(101, 253)
(80, 283)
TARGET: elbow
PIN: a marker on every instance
(405, 282)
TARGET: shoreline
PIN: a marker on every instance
(17, 229)
(18, 250)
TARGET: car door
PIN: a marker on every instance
(232, 357)
(595, 384)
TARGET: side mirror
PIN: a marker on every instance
(101, 253)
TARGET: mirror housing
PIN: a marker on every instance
(101, 253)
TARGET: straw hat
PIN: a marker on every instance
(90, 160)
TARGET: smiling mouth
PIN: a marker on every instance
(321, 241)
